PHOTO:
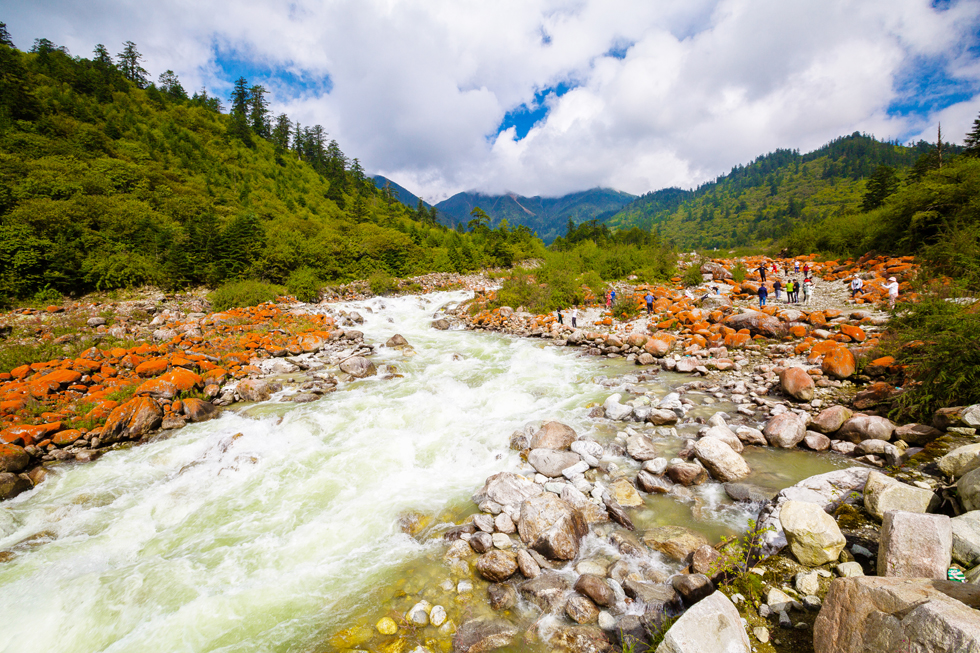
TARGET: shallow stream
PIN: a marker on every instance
(280, 527)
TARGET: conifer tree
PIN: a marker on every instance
(129, 65)
(240, 100)
(170, 85)
(5, 36)
(102, 58)
(882, 183)
(258, 111)
(280, 133)
(972, 140)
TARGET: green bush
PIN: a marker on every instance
(381, 283)
(739, 272)
(692, 275)
(47, 295)
(237, 294)
(625, 306)
(304, 284)
(524, 289)
(939, 341)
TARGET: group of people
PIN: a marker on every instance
(792, 288)
(857, 285)
(762, 269)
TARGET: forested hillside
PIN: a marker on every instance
(109, 180)
(547, 216)
(767, 199)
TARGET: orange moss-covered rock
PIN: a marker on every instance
(152, 367)
(13, 459)
(27, 434)
(66, 437)
(838, 363)
(132, 420)
(854, 333)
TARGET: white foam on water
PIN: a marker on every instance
(209, 542)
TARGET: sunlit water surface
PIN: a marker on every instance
(275, 529)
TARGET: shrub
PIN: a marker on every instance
(692, 275)
(381, 283)
(47, 295)
(625, 307)
(739, 272)
(304, 284)
(523, 289)
(237, 294)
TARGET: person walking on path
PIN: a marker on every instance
(762, 272)
(573, 313)
(796, 267)
(612, 296)
(856, 285)
(807, 290)
(892, 288)
(649, 300)
(763, 293)
(806, 270)
(560, 321)
(777, 286)
(789, 291)
(608, 300)
(796, 291)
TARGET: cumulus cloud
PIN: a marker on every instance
(663, 93)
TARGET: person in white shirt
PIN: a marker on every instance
(856, 285)
(573, 313)
(892, 288)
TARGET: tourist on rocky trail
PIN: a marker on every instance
(608, 300)
(796, 291)
(774, 269)
(649, 300)
(560, 321)
(789, 291)
(762, 272)
(612, 296)
(856, 285)
(807, 290)
(796, 267)
(763, 293)
(777, 286)
(573, 313)
(806, 270)
(892, 288)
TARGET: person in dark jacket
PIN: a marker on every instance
(763, 293)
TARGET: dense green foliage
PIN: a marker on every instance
(765, 200)
(108, 181)
(237, 294)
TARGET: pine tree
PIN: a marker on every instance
(882, 183)
(972, 140)
(5, 36)
(102, 58)
(258, 111)
(239, 111)
(170, 85)
(129, 65)
(280, 133)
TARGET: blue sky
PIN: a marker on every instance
(546, 97)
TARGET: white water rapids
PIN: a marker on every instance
(273, 540)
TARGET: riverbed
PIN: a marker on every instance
(278, 525)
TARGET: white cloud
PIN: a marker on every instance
(419, 87)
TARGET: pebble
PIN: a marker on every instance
(761, 634)
(606, 620)
(464, 586)
(386, 626)
(502, 541)
(438, 616)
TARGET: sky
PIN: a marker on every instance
(547, 97)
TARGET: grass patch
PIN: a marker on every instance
(239, 294)
(381, 283)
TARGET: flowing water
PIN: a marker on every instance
(273, 529)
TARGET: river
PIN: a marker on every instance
(272, 528)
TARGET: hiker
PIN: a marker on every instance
(774, 270)
(796, 291)
(762, 272)
(856, 285)
(807, 290)
(573, 313)
(806, 270)
(612, 296)
(892, 288)
(796, 267)
(789, 291)
(608, 300)
(559, 316)
(777, 286)
(649, 300)
(763, 293)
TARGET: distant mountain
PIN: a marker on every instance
(766, 199)
(405, 196)
(548, 216)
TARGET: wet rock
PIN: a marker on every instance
(726, 435)
(866, 427)
(579, 639)
(692, 587)
(131, 420)
(913, 545)
(713, 625)
(616, 512)
(13, 484)
(883, 493)
(661, 417)
(551, 526)
(553, 435)
(640, 447)
(615, 410)
(13, 458)
(502, 596)
(893, 614)
(829, 420)
(966, 538)
(550, 462)
(785, 430)
(686, 473)
(657, 595)
(358, 367)
(481, 542)
(749, 435)
(838, 363)
(955, 416)
(816, 441)
(590, 451)
(796, 383)
(676, 542)
(653, 483)
(198, 410)
(504, 524)
(581, 609)
(625, 494)
(961, 460)
(596, 588)
(254, 390)
(705, 560)
(482, 635)
(507, 488)
(397, 341)
(720, 461)
(547, 591)
(917, 434)
(440, 324)
(527, 564)
(749, 492)
(813, 536)
(496, 565)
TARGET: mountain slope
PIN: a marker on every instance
(400, 193)
(548, 216)
(766, 199)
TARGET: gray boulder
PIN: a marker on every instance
(968, 490)
(482, 635)
(866, 427)
(712, 625)
(640, 447)
(830, 419)
(507, 488)
(721, 462)
(966, 538)
(785, 430)
(813, 536)
(883, 493)
(918, 435)
(358, 367)
(913, 545)
(547, 591)
(550, 462)
(961, 460)
(726, 435)
(553, 435)
(552, 527)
